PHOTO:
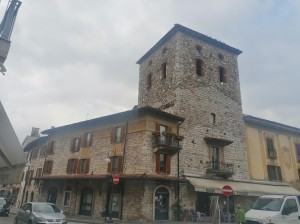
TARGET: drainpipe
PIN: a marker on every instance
(178, 171)
(123, 162)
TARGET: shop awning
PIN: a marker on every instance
(246, 188)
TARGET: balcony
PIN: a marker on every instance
(168, 143)
(220, 169)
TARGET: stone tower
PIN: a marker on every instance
(194, 76)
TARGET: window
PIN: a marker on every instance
(115, 164)
(149, 81)
(72, 166)
(199, 68)
(117, 134)
(212, 118)
(220, 56)
(164, 50)
(67, 198)
(270, 148)
(163, 162)
(75, 145)
(274, 173)
(29, 176)
(222, 74)
(164, 70)
(298, 152)
(290, 206)
(34, 153)
(48, 167)
(87, 139)
(198, 48)
(38, 174)
(43, 151)
(50, 148)
(84, 166)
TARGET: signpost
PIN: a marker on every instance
(116, 179)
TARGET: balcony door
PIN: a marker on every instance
(215, 157)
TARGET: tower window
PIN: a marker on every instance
(220, 56)
(164, 50)
(222, 74)
(164, 70)
(149, 81)
(199, 67)
(198, 48)
(213, 118)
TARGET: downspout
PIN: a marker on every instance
(178, 170)
(123, 162)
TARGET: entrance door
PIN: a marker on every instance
(115, 199)
(162, 204)
(86, 202)
(52, 195)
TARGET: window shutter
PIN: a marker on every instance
(68, 167)
(157, 127)
(78, 170)
(120, 164)
(75, 166)
(72, 145)
(87, 168)
(109, 166)
(50, 166)
(112, 137)
(91, 139)
(168, 164)
(81, 141)
(157, 163)
(122, 133)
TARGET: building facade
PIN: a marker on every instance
(274, 151)
(68, 166)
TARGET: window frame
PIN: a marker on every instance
(222, 75)
(67, 192)
(164, 70)
(87, 139)
(274, 173)
(199, 68)
(163, 167)
(75, 144)
(48, 165)
(50, 148)
(83, 166)
(72, 166)
(271, 151)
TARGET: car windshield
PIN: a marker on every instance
(268, 204)
(45, 208)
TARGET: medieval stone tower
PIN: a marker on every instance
(194, 76)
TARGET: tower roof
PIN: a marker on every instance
(192, 33)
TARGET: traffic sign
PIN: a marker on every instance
(116, 178)
(227, 190)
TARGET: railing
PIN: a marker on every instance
(221, 169)
(167, 141)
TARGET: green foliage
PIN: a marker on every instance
(178, 209)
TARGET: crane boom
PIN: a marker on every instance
(6, 28)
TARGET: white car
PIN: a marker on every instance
(40, 213)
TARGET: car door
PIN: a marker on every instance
(27, 213)
(21, 214)
(290, 212)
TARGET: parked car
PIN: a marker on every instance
(4, 207)
(40, 213)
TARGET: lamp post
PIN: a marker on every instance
(107, 160)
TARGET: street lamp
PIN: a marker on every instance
(107, 160)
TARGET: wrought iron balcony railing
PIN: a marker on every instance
(170, 143)
(220, 169)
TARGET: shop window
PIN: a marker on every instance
(48, 167)
(72, 166)
(274, 173)
(75, 145)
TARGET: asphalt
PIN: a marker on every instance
(92, 220)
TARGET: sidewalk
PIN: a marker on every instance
(92, 220)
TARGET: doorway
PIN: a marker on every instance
(162, 204)
(52, 195)
(86, 202)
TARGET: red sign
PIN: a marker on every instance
(227, 190)
(116, 178)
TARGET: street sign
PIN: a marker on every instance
(116, 178)
(227, 190)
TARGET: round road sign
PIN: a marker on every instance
(227, 190)
(116, 178)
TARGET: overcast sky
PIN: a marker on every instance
(72, 60)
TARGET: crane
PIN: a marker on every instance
(6, 28)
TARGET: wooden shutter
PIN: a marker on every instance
(157, 163)
(168, 168)
(68, 167)
(120, 164)
(76, 166)
(78, 169)
(87, 168)
(82, 141)
(157, 127)
(112, 137)
(122, 133)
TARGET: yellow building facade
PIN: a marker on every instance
(273, 151)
